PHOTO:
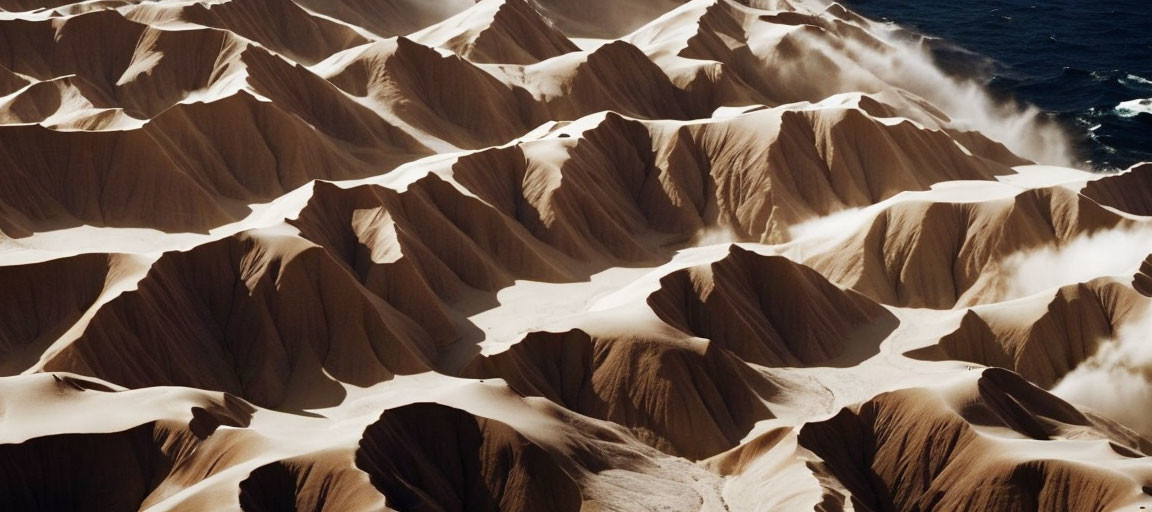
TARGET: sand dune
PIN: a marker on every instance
(430, 455)
(1127, 192)
(498, 32)
(282, 27)
(684, 397)
(924, 253)
(769, 310)
(1043, 337)
(532, 254)
(971, 448)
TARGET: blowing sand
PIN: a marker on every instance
(518, 255)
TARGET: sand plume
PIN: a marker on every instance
(536, 254)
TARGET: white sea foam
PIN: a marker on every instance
(1134, 108)
(1136, 79)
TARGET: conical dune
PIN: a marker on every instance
(616, 76)
(444, 96)
(964, 263)
(238, 316)
(498, 32)
(910, 449)
(387, 18)
(661, 389)
(1041, 340)
(430, 455)
(278, 25)
(544, 255)
(769, 311)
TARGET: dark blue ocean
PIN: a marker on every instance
(1087, 63)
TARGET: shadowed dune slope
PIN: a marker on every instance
(428, 456)
(259, 317)
(279, 25)
(1044, 347)
(770, 311)
(1129, 192)
(606, 255)
(499, 31)
(324, 482)
(913, 450)
(35, 315)
(687, 398)
(945, 254)
(128, 460)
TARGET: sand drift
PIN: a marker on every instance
(518, 255)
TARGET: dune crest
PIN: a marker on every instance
(711, 255)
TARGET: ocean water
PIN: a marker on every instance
(1087, 63)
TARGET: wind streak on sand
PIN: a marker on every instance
(507, 255)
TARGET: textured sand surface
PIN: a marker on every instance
(613, 255)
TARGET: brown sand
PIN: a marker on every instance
(546, 255)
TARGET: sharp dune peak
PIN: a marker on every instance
(536, 254)
(499, 32)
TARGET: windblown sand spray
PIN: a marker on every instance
(726, 263)
(1117, 380)
(896, 60)
(836, 224)
(1116, 252)
(718, 234)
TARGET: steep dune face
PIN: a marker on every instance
(769, 310)
(535, 254)
(259, 317)
(916, 449)
(498, 32)
(1044, 347)
(189, 169)
(35, 315)
(11, 82)
(1128, 192)
(322, 483)
(473, 244)
(789, 155)
(1142, 281)
(429, 456)
(67, 101)
(280, 26)
(140, 68)
(945, 254)
(616, 76)
(445, 96)
(688, 398)
(33, 478)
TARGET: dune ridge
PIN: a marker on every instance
(532, 254)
